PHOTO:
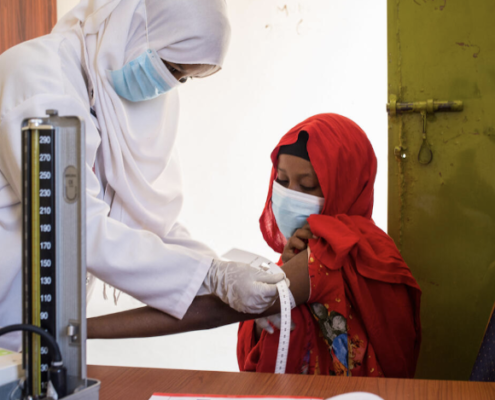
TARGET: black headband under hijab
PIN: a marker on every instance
(298, 149)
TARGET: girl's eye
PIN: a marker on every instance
(281, 182)
(309, 189)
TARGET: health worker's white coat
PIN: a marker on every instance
(134, 196)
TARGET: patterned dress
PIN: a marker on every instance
(329, 338)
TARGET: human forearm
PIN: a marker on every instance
(205, 312)
(147, 321)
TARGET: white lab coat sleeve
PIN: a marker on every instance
(163, 275)
(179, 235)
(166, 276)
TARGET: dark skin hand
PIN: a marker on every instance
(297, 243)
(296, 173)
(205, 312)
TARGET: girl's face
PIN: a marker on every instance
(296, 173)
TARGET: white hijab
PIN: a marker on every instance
(137, 139)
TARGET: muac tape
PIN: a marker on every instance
(287, 301)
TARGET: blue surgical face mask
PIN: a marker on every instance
(291, 209)
(144, 78)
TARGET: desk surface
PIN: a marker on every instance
(122, 383)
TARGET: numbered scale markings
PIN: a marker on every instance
(39, 248)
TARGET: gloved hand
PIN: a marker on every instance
(276, 320)
(242, 287)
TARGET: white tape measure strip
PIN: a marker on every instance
(287, 301)
(283, 343)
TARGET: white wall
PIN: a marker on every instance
(288, 60)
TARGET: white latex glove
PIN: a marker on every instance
(242, 287)
(276, 320)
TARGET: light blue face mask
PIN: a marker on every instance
(291, 209)
(144, 78)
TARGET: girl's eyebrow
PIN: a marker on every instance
(299, 175)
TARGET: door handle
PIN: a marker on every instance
(425, 154)
(428, 106)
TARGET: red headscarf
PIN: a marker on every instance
(349, 240)
(344, 162)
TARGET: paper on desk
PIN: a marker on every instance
(178, 396)
(356, 396)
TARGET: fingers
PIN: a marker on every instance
(273, 321)
(287, 254)
(307, 228)
(296, 243)
(264, 324)
(300, 238)
(266, 291)
(271, 279)
(303, 233)
(244, 288)
(276, 320)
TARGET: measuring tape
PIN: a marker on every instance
(287, 301)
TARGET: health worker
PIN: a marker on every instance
(118, 64)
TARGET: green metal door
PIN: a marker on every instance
(442, 182)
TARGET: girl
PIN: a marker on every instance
(362, 314)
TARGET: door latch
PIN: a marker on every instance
(425, 154)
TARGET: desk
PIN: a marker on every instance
(122, 383)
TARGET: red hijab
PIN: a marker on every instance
(344, 162)
(349, 240)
